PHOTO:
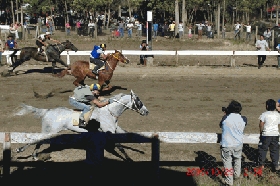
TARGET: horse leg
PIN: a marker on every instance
(119, 130)
(23, 148)
(53, 67)
(62, 62)
(35, 152)
(79, 80)
(127, 158)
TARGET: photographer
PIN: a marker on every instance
(232, 125)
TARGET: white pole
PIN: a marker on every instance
(147, 31)
(68, 58)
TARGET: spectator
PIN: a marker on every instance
(248, 31)
(68, 28)
(1, 51)
(190, 31)
(224, 32)
(165, 29)
(172, 30)
(155, 30)
(91, 27)
(143, 58)
(261, 45)
(121, 28)
(278, 49)
(25, 25)
(237, 27)
(139, 29)
(267, 35)
(13, 29)
(232, 125)
(129, 29)
(199, 28)
(181, 30)
(269, 134)
(50, 25)
(79, 28)
(209, 29)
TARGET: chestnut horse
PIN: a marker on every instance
(81, 69)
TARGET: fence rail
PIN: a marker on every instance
(176, 53)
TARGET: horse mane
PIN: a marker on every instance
(118, 96)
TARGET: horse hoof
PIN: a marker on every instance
(18, 150)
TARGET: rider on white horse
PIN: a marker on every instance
(83, 97)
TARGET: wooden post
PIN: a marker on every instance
(155, 155)
(176, 57)
(272, 40)
(232, 60)
(256, 33)
(6, 155)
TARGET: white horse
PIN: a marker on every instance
(58, 119)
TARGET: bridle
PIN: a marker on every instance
(133, 103)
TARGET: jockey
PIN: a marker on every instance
(83, 97)
(42, 42)
(96, 57)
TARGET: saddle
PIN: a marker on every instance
(91, 66)
(76, 115)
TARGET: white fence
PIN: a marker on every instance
(176, 53)
(141, 137)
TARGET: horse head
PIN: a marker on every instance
(120, 57)
(69, 45)
(138, 105)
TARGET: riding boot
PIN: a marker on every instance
(82, 123)
(95, 70)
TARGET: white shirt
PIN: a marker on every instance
(263, 44)
(180, 28)
(200, 26)
(91, 25)
(209, 28)
(271, 121)
(129, 25)
(237, 26)
(248, 28)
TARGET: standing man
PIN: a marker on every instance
(261, 45)
(139, 29)
(199, 28)
(155, 30)
(121, 28)
(172, 30)
(237, 27)
(91, 27)
(269, 134)
(233, 125)
(248, 31)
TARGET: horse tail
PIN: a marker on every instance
(63, 72)
(26, 109)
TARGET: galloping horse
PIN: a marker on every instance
(53, 54)
(81, 69)
(59, 119)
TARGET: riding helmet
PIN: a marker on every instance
(95, 86)
(103, 45)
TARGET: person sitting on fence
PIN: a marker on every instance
(42, 42)
(83, 97)
(96, 56)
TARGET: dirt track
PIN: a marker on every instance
(184, 98)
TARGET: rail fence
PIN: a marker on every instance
(155, 138)
(175, 53)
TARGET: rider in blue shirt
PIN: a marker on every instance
(96, 57)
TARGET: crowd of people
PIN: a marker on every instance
(233, 125)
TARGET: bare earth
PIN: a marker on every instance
(184, 98)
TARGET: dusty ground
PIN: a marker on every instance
(179, 98)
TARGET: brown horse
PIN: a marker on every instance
(81, 69)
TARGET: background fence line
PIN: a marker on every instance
(176, 53)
